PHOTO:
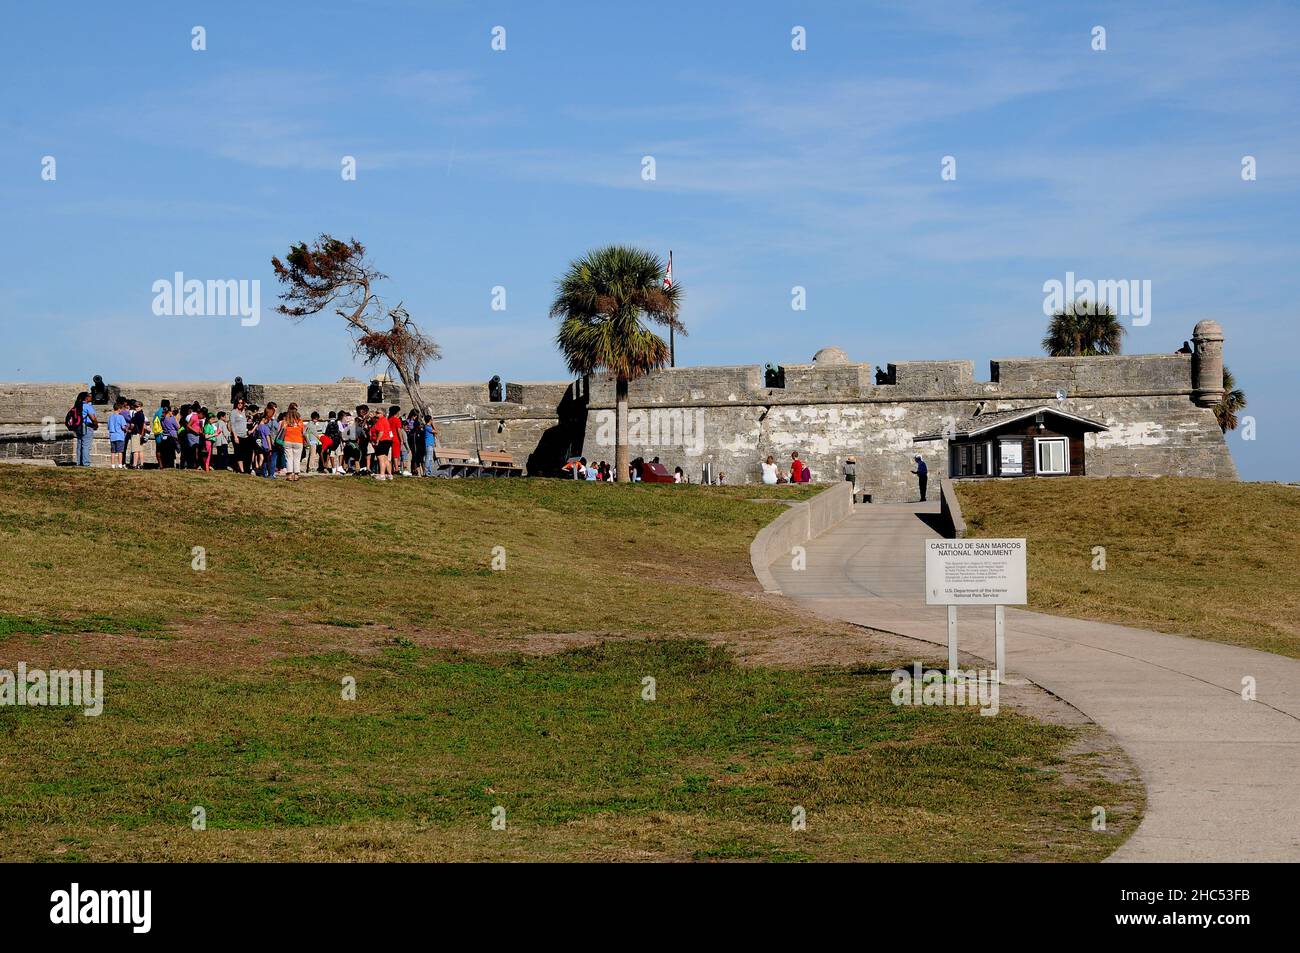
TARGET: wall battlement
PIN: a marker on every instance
(1157, 408)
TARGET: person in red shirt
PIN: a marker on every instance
(796, 468)
(395, 419)
(381, 438)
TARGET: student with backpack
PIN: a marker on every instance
(330, 442)
(156, 429)
(81, 420)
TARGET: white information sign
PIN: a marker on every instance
(975, 572)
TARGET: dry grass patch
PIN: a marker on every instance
(1206, 558)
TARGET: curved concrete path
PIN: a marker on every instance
(1222, 774)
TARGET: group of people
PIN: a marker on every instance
(799, 471)
(264, 441)
(602, 472)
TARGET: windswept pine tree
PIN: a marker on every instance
(335, 272)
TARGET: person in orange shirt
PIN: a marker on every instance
(292, 435)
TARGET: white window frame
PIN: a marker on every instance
(1038, 456)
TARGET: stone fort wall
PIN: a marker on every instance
(1157, 408)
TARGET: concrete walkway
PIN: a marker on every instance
(1222, 774)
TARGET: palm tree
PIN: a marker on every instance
(601, 300)
(1232, 401)
(1083, 329)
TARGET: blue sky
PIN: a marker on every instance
(774, 168)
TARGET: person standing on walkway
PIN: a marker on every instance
(922, 475)
(851, 477)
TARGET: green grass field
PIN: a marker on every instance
(478, 689)
(1205, 558)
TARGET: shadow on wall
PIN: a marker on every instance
(562, 441)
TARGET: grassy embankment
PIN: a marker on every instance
(1205, 558)
(476, 688)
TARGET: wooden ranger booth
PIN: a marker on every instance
(1030, 441)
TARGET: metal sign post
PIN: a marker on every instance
(1000, 640)
(976, 572)
(952, 640)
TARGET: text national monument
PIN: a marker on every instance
(1118, 415)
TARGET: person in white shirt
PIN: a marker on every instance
(771, 475)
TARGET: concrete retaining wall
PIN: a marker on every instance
(954, 524)
(798, 524)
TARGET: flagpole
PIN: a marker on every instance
(672, 342)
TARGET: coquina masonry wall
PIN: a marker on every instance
(31, 415)
(1160, 422)
(830, 412)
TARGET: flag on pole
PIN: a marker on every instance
(668, 275)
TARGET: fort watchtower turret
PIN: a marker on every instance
(1207, 363)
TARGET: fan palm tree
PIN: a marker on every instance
(1232, 401)
(1083, 329)
(601, 300)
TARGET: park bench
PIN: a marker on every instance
(497, 463)
(448, 461)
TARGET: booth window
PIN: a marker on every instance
(1053, 455)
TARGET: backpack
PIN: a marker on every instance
(73, 420)
(156, 428)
